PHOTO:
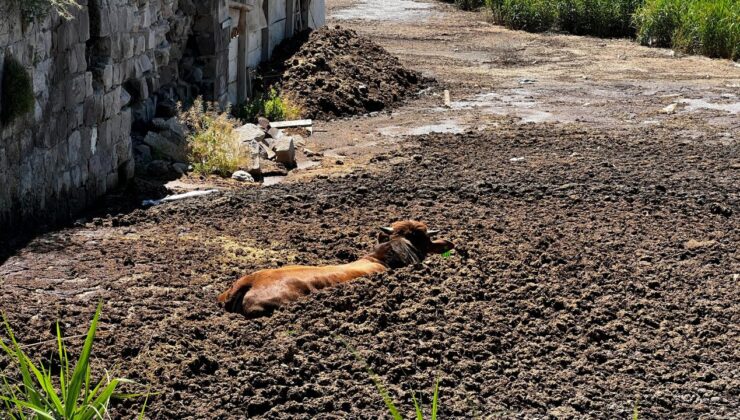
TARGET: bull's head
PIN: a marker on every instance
(410, 242)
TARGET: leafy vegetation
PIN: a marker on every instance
(606, 18)
(468, 4)
(36, 9)
(709, 27)
(388, 401)
(212, 139)
(273, 106)
(71, 396)
(17, 90)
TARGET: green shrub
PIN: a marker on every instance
(36, 9)
(657, 21)
(709, 27)
(604, 18)
(467, 4)
(273, 106)
(213, 143)
(36, 394)
(529, 15)
(385, 395)
(17, 90)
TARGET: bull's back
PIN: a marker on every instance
(275, 287)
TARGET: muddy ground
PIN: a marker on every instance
(597, 265)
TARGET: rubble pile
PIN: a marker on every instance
(272, 151)
(333, 72)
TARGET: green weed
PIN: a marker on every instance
(213, 143)
(71, 395)
(709, 27)
(385, 395)
(36, 9)
(273, 106)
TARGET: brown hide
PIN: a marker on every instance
(260, 293)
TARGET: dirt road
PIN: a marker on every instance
(597, 263)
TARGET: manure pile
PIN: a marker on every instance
(333, 72)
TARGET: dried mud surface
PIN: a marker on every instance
(599, 269)
(334, 72)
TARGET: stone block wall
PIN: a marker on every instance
(116, 63)
(101, 78)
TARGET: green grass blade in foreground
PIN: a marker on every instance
(16, 354)
(435, 400)
(78, 377)
(417, 408)
(376, 380)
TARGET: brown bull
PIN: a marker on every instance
(405, 243)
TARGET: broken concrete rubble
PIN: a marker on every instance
(249, 133)
(270, 149)
(285, 152)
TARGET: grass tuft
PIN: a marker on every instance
(385, 395)
(709, 27)
(36, 394)
(273, 106)
(213, 143)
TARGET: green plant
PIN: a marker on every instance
(709, 27)
(213, 143)
(385, 395)
(529, 15)
(635, 411)
(36, 9)
(17, 90)
(657, 21)
(273, 106)
(467, 4)
(36, 395)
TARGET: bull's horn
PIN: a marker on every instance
(387, 230)
(432, 232)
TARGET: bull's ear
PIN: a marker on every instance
(387, 230)
(441, 246)
(223, 297)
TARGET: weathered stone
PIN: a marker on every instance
(285, 152)
(74, 145)
(299, 141)
(264, 123)
(163, 147)
(125, 98)
(143, 152)
(266, 152)
(242, 176)
(158, 168)
(181, 168)
(275, 133)
(249, 133)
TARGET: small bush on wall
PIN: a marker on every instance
(17, 91)
(35, 9)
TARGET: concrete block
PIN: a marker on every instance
(285, 152)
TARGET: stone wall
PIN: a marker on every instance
(100, 78)
(94, 76)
